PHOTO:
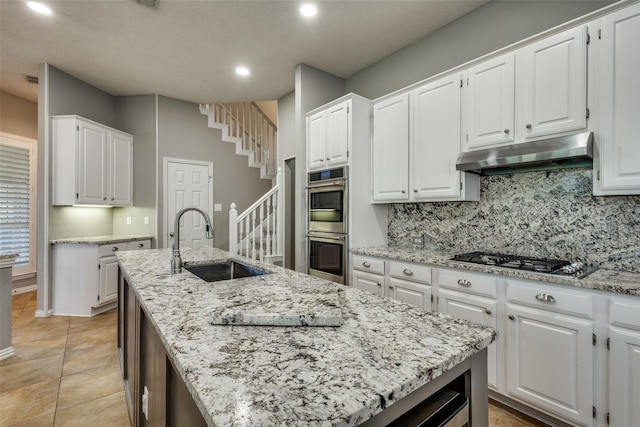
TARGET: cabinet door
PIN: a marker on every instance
(316, 158)
(550, 362)
(435, 140)
(412, 293)
(618, 103)
(624, 377)
(489, 103)
(153, 376)
(368, 282)
(121, 169)
(92, 164)
(553, 84)
(390, 150)
(108, 283)
(337, 135)
(474, 309)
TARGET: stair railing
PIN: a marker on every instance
(257, 232)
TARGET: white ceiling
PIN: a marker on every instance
(188, 49)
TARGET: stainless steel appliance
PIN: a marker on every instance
(328, 256)
(328, 224)
(558, 267)
(328, 200)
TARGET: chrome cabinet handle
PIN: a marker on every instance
(488, 312)
(545, 297)
(403, 191)
(512, 317)
(115, 248)
(104, 198)
(390, 288)
(366, 264)
(141, 245)
(327, 159)
(171, 234)
(415, 190)
(407, 272)
(506, 131)
(464, 282)
(528, 126)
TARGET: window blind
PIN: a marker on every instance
(15, 205)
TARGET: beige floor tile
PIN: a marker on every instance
(30, 372)
(109, 411)
(44, 421)
(38, 329)
(91, 338)
(89, 385)
(81, 324)
(89, 358)
(503, 416)
(36, 350)
(28, 403)
(20, 300)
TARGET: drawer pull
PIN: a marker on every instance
(365, 264)
(488, 312)
(115, 248)
(464, 282)
(512, 317)
(545, 297)
(407, 272)
(141, 245)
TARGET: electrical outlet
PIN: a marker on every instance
(417, 241)
(217, 207)
(128, 220)
(146, 220)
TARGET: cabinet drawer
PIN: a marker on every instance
(468, 282)
(551, 298)
(371, 265)
(410, 271)
(140, 244)
(624, 313)
(108, 250)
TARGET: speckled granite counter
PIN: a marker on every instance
(244, 375)
(100, 240)
(602, 280)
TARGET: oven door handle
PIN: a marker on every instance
(328, 184)
(320, 238)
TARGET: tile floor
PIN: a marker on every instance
(65, 372)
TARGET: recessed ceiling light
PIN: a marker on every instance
(39, 7)
(242, 71)
(308, 9)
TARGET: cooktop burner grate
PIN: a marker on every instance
(540, 265)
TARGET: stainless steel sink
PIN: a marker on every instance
(226, 270)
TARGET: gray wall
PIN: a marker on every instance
(183, 133)
(137, 115)
(490, 27)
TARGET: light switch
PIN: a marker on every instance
(217, 207)
(128, 220)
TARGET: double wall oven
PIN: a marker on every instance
(328, 223)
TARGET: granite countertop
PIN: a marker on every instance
(619, 282)
(100, 240)
(274, 375)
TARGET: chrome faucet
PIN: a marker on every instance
(176, 261)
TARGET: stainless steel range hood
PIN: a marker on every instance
(558, 153)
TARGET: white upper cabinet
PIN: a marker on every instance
(328, 137)
(435, 140)
(617, 162)
(92, 163)
(416, 141)
(489, 103)
(551, 85)
(390, 152)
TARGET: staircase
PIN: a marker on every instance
(257, 232)
(247, 126)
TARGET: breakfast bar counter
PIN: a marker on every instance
(380, 352)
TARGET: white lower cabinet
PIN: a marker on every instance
(85, 276)
(410, 283)
(368, 274)
(624, 363)
(549, 350)
(472, 297)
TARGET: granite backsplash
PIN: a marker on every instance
(550, 214)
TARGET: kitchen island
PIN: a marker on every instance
(384, 356)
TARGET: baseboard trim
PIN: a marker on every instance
(43, 313)
(24, 289)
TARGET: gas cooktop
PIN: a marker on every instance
(550, 266)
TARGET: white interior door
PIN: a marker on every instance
(188, 184)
